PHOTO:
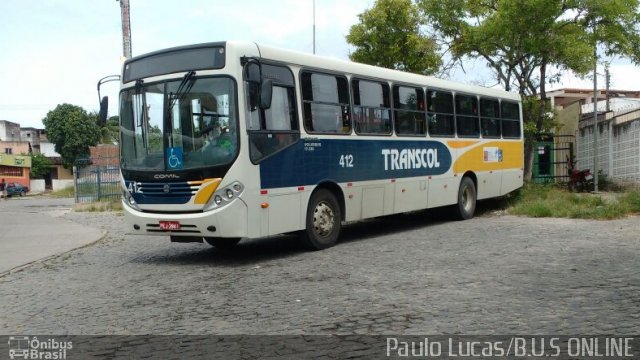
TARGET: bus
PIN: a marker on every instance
(230, 140)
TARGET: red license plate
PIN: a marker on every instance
(169, 225)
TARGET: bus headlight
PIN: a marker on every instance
(129, 200)
(224, 196)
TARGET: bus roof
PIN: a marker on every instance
(353, 68)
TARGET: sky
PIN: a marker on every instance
(55, 51)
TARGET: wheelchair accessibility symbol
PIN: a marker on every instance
(174, 158)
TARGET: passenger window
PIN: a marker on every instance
(440, 113)
(490, 118)
(276, 128)
(467, 124)
(408, 103)
(371, 110)
(326, 103)
(510, 119)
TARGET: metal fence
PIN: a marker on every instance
(97, 180)
(551, 158)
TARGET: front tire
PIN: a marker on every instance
(467, 197)
(222, 244)
(324, 220)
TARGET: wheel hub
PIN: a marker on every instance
(323, 219)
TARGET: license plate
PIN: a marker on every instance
(169, 225)
(589, 177)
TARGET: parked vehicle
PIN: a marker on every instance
(16, 189)
(579, 180)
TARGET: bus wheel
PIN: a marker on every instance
(222, 244)
(323, 220)
(466, 199)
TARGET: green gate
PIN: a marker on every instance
(95, 182)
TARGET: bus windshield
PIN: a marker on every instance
(174, 126)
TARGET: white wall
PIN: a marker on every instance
(57, 184)
(36, 186)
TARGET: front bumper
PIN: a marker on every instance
(229, 221)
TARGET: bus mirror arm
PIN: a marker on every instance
(266, 93)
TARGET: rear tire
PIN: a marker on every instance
(324, 220)
(223, 244)
(467, 197)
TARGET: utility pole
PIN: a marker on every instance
(595, 113)
(126, 28)
(314, 27)
(607, 79)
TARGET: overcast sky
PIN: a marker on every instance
(55, 51)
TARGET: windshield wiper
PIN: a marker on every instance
(185, 86)
(142, 110)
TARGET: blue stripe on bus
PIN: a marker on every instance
(154, 193)
(311, 161)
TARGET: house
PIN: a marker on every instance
(15, 162)
(569, 140)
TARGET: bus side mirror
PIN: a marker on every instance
(266, 93)
(104, 107)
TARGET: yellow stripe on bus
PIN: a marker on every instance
(458, 144)
(207, 189)
(474, 158)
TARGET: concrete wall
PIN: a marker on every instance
(618, 149)
(61, 184)
(36, 186)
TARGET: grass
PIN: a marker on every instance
(538, 200)
(99, 206)
(66, 192)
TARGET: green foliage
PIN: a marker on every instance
(553, 201)
(40, 165)
(110, 131)
(72, 130)
(522, 40)
(64, 193)
(388, 35)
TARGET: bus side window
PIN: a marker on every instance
(467, 121)
(275, 128)
(408, 104)
(440, 113)
(490, 118)
(326, 103)
(371, 107)
(510, 112)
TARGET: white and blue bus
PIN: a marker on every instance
(230, 140)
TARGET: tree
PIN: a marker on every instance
(521, 41)
(110, 130)
(389, 36)
(72, 130)
(40, 165)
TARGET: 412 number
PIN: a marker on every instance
(346, 161)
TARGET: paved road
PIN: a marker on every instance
(32, 228)
(409, 274)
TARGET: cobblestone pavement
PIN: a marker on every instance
(407, 274)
